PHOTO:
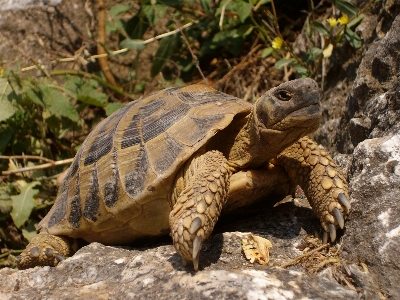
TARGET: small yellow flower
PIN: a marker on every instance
(332, 22)
(343, 20)
(277, 43)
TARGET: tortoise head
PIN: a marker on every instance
(292, 106)
(280, 117)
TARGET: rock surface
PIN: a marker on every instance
(373, 230)
(373, 105)
(115, 273)
(26, 4)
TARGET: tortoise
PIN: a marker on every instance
(173, 160)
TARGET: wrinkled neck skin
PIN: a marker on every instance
(256, 145)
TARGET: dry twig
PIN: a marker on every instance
(101, 42)
(191, 52)
(39, 167)
(123, 50)
(296, 260)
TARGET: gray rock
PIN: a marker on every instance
(373, 229)
(116, 273)
(372, 109)
(26, 4)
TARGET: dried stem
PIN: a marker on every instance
(221, 19)
(102, 41)
(26, 157)
(293, 261)
(123, 50)
(191, 52)
(227, 75)
(39, 167)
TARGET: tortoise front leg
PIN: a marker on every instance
(45, 250)
(198, 206)
(321, 180)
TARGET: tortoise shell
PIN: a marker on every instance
(118, 185)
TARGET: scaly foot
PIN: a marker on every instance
(321, 179)
(44, 250)
(198, 207)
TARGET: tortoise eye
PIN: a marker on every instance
(284, 95)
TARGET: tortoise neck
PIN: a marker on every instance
(248, 149)
(255, 145)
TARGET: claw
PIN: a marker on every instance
(196, 251)
(332, 232)
(48, 252)
(184, 261)
(35, 252)
(196, 224)
(345, 202)
(325, 238)
(196, 263)
(339, 217)
(59, 257)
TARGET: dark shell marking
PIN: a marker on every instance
(129, 160)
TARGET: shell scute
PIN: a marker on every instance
(102, 137)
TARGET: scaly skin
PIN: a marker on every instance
(46, 250)
(321, 179)
(199, 205)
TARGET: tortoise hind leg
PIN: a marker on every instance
(199, 205)
(45, 250)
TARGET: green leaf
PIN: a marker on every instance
(153, 12)
(316, 51)
(355, 21)
(7, 105)
(321, 28)
(5, 202)
(245, 30)
(267, 52)
(5, 137)
(85, 91)
(353, 38)
(91, 96)
(300, 69)
(167, 47)
(57, 103)
(29, 231)
(230, 7)
(308, 28)
(136, 26)
(346, 7)
(132, 44)
(283, 62)
(32, 96)
(118, 9)
(231, 40)
(205, 5)
(110, 27)
(113, 107)
(243, 9)
(24, 203)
